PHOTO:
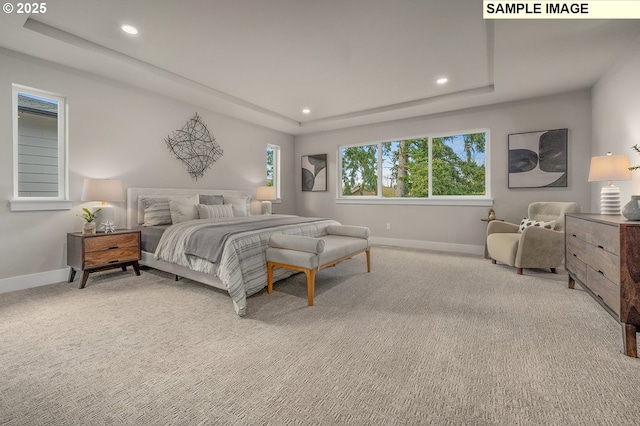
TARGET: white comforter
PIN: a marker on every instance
(242, 267)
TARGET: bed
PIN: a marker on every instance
(237, 264)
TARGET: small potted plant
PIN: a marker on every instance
(89, 226)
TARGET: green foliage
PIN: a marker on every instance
(87, 215)
(360, 170)
(270, 166)
(409, 167)
(636, 148)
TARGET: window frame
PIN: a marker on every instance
(61, 201)
(441, 200)
(276, 168)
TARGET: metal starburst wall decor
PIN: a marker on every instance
(195, 146)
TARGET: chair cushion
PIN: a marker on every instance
(503, 247)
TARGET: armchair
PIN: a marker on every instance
(535, 247)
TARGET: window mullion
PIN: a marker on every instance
(379, 170)
(430, 168)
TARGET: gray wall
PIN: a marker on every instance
(457, 228)
(118, 132)
(616, 119)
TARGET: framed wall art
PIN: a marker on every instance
(538, 159)
(314, 172)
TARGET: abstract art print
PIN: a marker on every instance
(538, 159)
(314, 172)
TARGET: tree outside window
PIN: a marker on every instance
(273, 167)
(417, 168)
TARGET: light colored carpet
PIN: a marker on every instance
(425, 339)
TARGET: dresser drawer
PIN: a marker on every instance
(604, 236)
(604, 289)
(105, 257)
(604, 262)
(575, 227)
(104, 242)
(576, 267)
(576, 248)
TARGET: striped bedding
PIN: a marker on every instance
(242, 266)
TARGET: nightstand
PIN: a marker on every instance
(99, 252)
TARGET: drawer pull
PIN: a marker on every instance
(114, 247)
(575, 235)
(116, 261)
(600, 247)
(600, 272)
(575, 255)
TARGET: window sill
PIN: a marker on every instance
(39, 205)
(481, 202)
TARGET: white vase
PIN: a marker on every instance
(89, 228)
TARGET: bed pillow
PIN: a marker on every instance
(211, 200)
(183, 209)
(157, 210)
(214, 212)
(526, 222)
(241, 205)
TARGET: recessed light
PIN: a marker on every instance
(129, 29)
(306, 111)
(442, 80)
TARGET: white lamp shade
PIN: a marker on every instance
(102, 190)
(266, 193)
(609, 167)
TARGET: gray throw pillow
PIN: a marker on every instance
(211, 200)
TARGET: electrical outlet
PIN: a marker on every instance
(388, 226)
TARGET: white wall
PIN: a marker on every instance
(457, 228)
(616, 119)
(116, 131)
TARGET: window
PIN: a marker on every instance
(273, 167)
(448, 167)
(39, 151)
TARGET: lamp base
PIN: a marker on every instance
(610, 200)
(107, 214)
(266, 207)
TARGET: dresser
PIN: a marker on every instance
(603, 256)
(99, 252)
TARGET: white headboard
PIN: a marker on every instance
(133, 193)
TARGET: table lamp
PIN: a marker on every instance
(103, 190)
(609, 168)
(266, 194)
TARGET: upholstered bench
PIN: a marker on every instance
(310, 255)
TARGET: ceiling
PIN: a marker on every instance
(351, 62)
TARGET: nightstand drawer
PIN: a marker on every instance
(604, 289)
(104, 242)
(105, 257)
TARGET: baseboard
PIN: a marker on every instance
(429, 245)
(51, 277)
(33, 280)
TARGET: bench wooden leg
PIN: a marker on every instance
(368, 254)
(311, 281)
(269, 277)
